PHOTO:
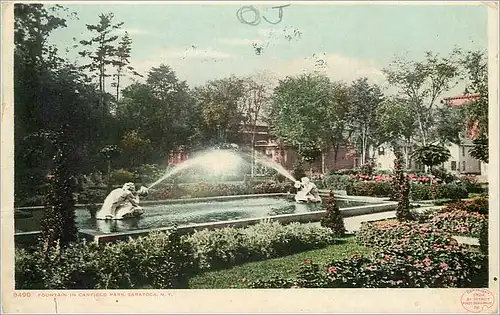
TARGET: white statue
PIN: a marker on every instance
(122, 203)
(308, 191)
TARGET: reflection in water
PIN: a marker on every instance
(183, 214)
(111, 226)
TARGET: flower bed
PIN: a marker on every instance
(464, 217)
(404, 255)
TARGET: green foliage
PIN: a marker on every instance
(122, 62)
(404, 255)
(58, 221)
(121, 176)
(443, 175)
(373, 189)
(272, 187)
(460, 222)
(432, 155)
(365, 100)
(480, 150)
(298, 170)
(421, 84)
(338, 182)
(218, 108)
(478, 205)
(148, 173)
(475, 66)
(483, 238)
(401, 189)
(159, 116)
(396, 121)
(332, 218)
(101, 50)
(160, 261)
(299, 113)
(227, 247)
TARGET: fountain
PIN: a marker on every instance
(122, 203)
(308, 191)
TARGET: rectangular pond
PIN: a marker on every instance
(185, 213)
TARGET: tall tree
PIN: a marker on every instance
(101, 50)
(254, 102)
(338, 118)
(122, 62)
(219, 109)
(298, 113)
(422, 83)
(365, 99)
(475, 71)
(161, 112)
(397, 125)
(54, 120)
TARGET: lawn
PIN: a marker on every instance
(283, 266)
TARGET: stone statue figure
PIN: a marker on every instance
(308, 191)
(122, 203)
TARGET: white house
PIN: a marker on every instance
(460, 162)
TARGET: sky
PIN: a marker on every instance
(206, 41)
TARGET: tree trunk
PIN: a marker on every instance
(323, 162)
(407, 160)
(118, 85)
(363, 147)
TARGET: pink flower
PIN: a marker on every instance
(372, 268)
(410, 257)
(332, 270)
(444, 266)
(427, 261)
(387, 257)
(308, 261)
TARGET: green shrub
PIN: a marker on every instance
(332, 218)
(272, 187)
(338, 182)
(423, 191)
(227, 247)
(483, 237)
(298, 170)
(148, 173)
(93, 194)
(373, 189)
(121, 176)
(159, 260)
(451, 191)
(420, 191)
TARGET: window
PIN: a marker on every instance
(463, 165)
(463, 151)
(381, 151)
(453, 165)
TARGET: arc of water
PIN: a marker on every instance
(260, 158)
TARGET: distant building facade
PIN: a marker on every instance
(460, 162)
(287, 157)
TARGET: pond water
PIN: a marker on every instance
(164, 215)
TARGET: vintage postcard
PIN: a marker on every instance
(241, 156)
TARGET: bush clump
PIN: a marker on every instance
(227, 247)
(332, 218)
(159, 260)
